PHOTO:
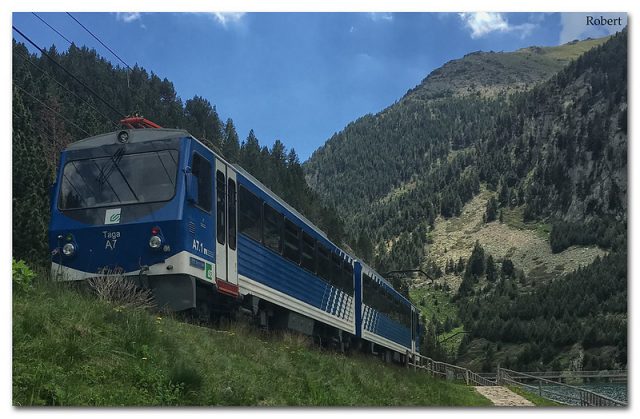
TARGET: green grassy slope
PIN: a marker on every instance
(71, 349)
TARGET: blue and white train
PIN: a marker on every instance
(166, 211)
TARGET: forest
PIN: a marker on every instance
(51, 110)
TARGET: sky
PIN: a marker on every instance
(239, 86)
(300, 77)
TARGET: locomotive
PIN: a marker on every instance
(165, 211)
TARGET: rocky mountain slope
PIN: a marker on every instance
(558, 148)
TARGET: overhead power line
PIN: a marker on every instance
(51, 109)
(52, 28)
(43, 52)
(24, 57)
(98, 39)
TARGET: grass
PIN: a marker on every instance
(573, 51)
(534, 398)
(70, 349)
(432, 302)
(514, 217)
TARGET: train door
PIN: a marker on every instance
(199, 214)
(226, 229)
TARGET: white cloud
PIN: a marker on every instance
(574, 26)
(226, 18)
(483, 23)
(381, 17)
(128, 17)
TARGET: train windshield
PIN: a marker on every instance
(119, 180)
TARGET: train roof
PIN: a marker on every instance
(134, 136)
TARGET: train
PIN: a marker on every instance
(160, 208)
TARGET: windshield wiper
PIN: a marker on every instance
(113, 163)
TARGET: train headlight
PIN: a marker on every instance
(155, 242)
(68, 249)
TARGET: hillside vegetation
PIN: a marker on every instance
(540, 136)
(70, 349)
(557, 149)
(525, 244)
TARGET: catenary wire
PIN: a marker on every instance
(51, 109)
(98, 39)
(51, 27)
(67, 89)
(68, 72)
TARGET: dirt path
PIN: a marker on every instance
(502, 396)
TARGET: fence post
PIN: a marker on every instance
(498, 379)
(540, 388)
(466, 376)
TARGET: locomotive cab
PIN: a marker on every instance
(140, 203)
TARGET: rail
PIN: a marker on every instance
(562, 393)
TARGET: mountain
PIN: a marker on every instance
(391, 174)
(540, 134)
(491, 73)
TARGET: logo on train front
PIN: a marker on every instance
(112, 216)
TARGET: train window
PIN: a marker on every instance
(272, 235)
(336, 270)
(221, 196)
(291, 241)
(381, 299)
(308, 252)
(121, 179)
(201, 169)
(232, 214)
(368, 290)
(347, 277)
(324, 264)
(250, 214)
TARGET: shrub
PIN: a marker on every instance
(22, 276)
(113, 286)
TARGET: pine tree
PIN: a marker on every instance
(365, 246)
(230, 142)
(491, 210)
(31, 181)
(491, 269)
(476, 264)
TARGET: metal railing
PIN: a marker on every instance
(554, 390)
(539, 384)
(447, 371)
(584, 376)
